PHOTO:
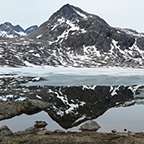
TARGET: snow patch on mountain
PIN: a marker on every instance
(5, 34)
(80, 14)
(70, 106)
(12, 97)
(130, 32)
(71, 27)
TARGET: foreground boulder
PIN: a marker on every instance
(40, 124)
(59, 131)
(90, 126)
(5, 131)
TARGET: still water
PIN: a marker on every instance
(131, 118)
(24, 121)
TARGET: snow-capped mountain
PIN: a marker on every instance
(82, 39)
(10, 31)
(31, 29)
(73, 37)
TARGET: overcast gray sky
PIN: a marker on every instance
(118, 13)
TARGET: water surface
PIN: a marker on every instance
(131, 118)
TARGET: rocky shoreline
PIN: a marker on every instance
(38, 134)
(60, 137)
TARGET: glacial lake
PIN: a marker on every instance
(131, 118)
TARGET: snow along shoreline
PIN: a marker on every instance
(60, 70)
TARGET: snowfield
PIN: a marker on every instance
(74, 76)
(50, 70)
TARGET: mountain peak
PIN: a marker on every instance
(7, 23)
(69, 12)
(66, 6)
(18, 28)
(31, 29)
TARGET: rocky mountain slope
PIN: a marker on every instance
(10, 31)
(73, 37)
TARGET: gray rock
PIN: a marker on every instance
(40, 124)
(30, 130)
(114, 131)
(59, 131)
(90, 126)
(5, 131)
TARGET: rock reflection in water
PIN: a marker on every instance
(119, 118)
(69, 106)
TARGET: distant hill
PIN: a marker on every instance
(10, 31)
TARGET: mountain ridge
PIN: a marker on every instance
(73, 37)
(9, 30)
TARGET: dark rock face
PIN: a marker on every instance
(67, 11)
(18, 28)
(31, 29)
